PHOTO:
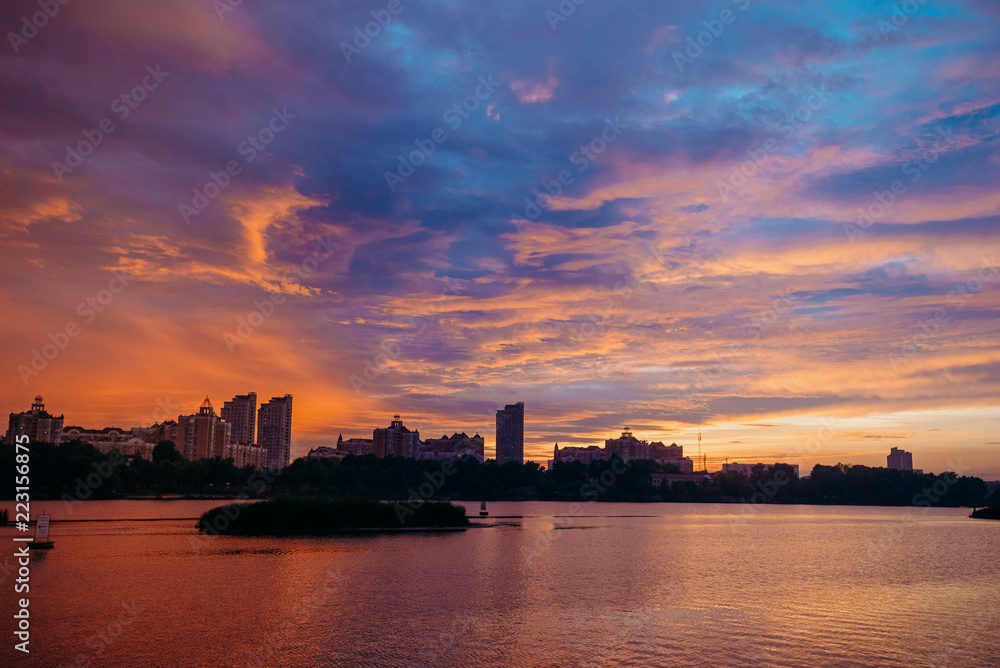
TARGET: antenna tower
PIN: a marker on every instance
(703, 467)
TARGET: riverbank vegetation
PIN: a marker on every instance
(300, 516)
(620, 481)
(77, 471)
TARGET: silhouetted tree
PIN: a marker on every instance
(166, 451)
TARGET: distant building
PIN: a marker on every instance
(453, 447)
(246, 454)
(274, 431)
(659, 451)
(627, 446)
(37, 424)
(241, 415)
(510, 434)
(672, 454)
(324, 452)
(168, 430)
(129, 442)
(358, 447)
(196, 437)
(396, 440)
(203, 435)
(747, 469)
(671, 478)
(900, 460)
(591, 453)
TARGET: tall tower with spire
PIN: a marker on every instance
(203, 435)
(37, 424)
(701, 457)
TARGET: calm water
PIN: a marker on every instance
(544, 584)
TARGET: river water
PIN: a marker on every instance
(539, 584)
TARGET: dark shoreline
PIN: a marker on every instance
(986, 513)
(246, 499)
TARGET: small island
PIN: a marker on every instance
(284, 516)
(986, 513)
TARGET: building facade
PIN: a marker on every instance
(203, 435)
(129, 442)
(396, 440)
(510, 434)
(591, 453)
(659, 451)
(900, 460)
(453, 447)
(274, 431)
(358, 447)
(672, 454)
(168, 430)
(37, 424)
(241, 415)
(627, 447)
(246, 454)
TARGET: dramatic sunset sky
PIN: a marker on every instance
(702, 265)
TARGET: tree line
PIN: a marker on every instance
(75, 470)
(79, 471)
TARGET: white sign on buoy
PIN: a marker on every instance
(42, 527)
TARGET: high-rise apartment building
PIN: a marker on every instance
(203, 435)
(37, 424)
(274, 431)
(510, 433)
(901, 460)
(396, 440)
(241, 414)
